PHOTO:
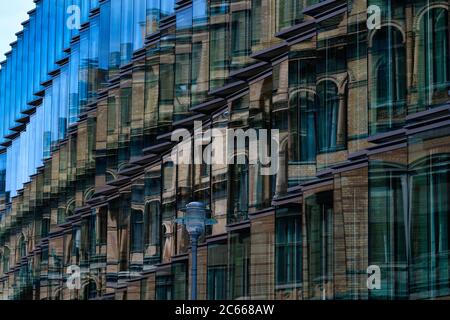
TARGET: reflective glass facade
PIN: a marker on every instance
(92, 90)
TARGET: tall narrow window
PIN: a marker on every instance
(241, 36)
(180, 280)
(302, 127)
(152, 218)
(430, 225)
(239, 266)
(219, 56)
(137, 229)
(239, 193)
(183, 58)
(434, 63)
(289, 13)
(388, 228)
(217, 271)
(164, 284)
(288, 249)
(330, 133)
(153, 15)
(388, 95)
(137, 216)
(152, 229)
(126, 41)
(5, 261)
(102, 226)
(319, 219)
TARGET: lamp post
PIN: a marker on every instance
(195, 221)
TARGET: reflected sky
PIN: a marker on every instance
(12, 14)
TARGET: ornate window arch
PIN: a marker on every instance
(388, 79)
(433, 45)
(21, 248)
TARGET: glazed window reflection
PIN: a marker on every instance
(434, 63)
(388, 98)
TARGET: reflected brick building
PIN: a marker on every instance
(87, 177)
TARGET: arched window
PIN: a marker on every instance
(239, 184)
(434, 64)
(5, 262)
(330, 133)
(22, 247)
(388, 92)
(302, 127)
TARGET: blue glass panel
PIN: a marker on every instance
(2, 102)
(9, 94)
(25, 76)
(44, 41)
(18, 75)
(75, 31)
(167, 7)
(12, 81)
(31, 128)
(93, 59)
(39, 134)
(2, 172)
(103, 62)
(114, 45)
(67, 31)
(47, 105)
(84, 69)
(200, 11)
(60, 26)
(31, 57)
(140, 23)
(73, 86)
(55, 111)
(85, 8)
(94, 4)
(37, 46)
(63, 102)
(126, 42)
(51, 34)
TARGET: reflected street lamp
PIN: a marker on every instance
(195, 221)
